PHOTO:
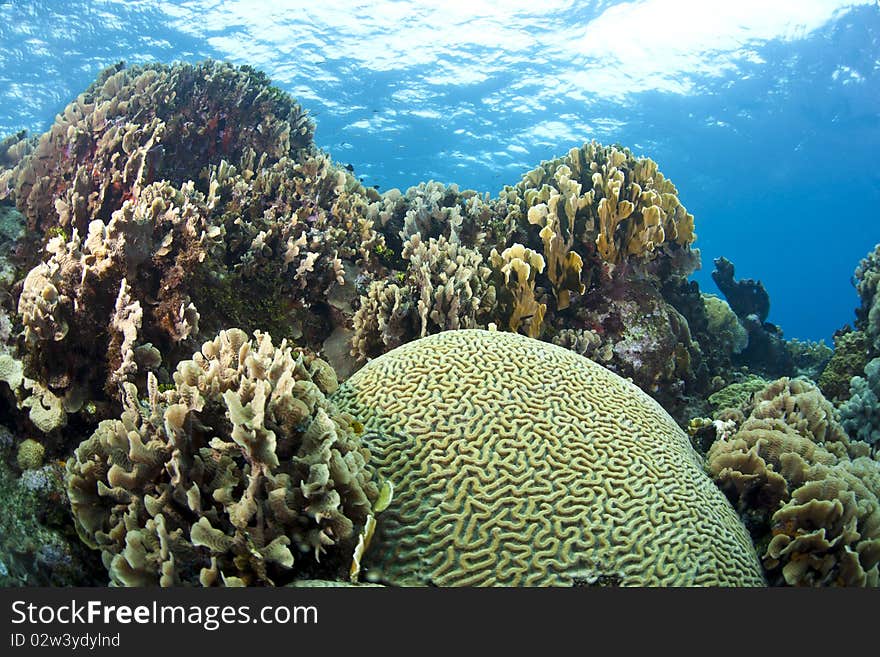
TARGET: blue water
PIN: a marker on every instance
(766, 115)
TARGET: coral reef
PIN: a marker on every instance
(135, 126)
(11, 231)
(522, 463)
(723, 322)
(171, 202)
(159, 219)
(867, 281)
(860, 414)
(38, 546)
(851, 354)
(808, 494)
(214, 480)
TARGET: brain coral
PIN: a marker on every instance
(517, 462)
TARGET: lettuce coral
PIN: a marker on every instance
(808, 494)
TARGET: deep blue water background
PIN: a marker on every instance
(765, 115)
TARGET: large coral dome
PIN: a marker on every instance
(517, 462)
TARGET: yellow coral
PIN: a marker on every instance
(519, 266)
(627, 208)
(563, 265)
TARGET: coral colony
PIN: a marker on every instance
(226, 362)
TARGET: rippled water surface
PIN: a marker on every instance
(764, 114)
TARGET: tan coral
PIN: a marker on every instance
(519, 266)
(381, 322)
(614, 202)
(516, 462)
(247, 443)
(556, 214)
(810, 497)
(445, 287)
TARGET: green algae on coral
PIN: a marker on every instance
(737, 394)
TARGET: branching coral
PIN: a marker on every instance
(613, 235)
(215, 480)
(556, 214)
(627, 207)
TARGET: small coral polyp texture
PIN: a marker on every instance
(517, 462)
(30, 454)
(241, 473)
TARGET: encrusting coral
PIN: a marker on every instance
(517, 462)
(226, 476)
(808, 494)
(851, 354)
